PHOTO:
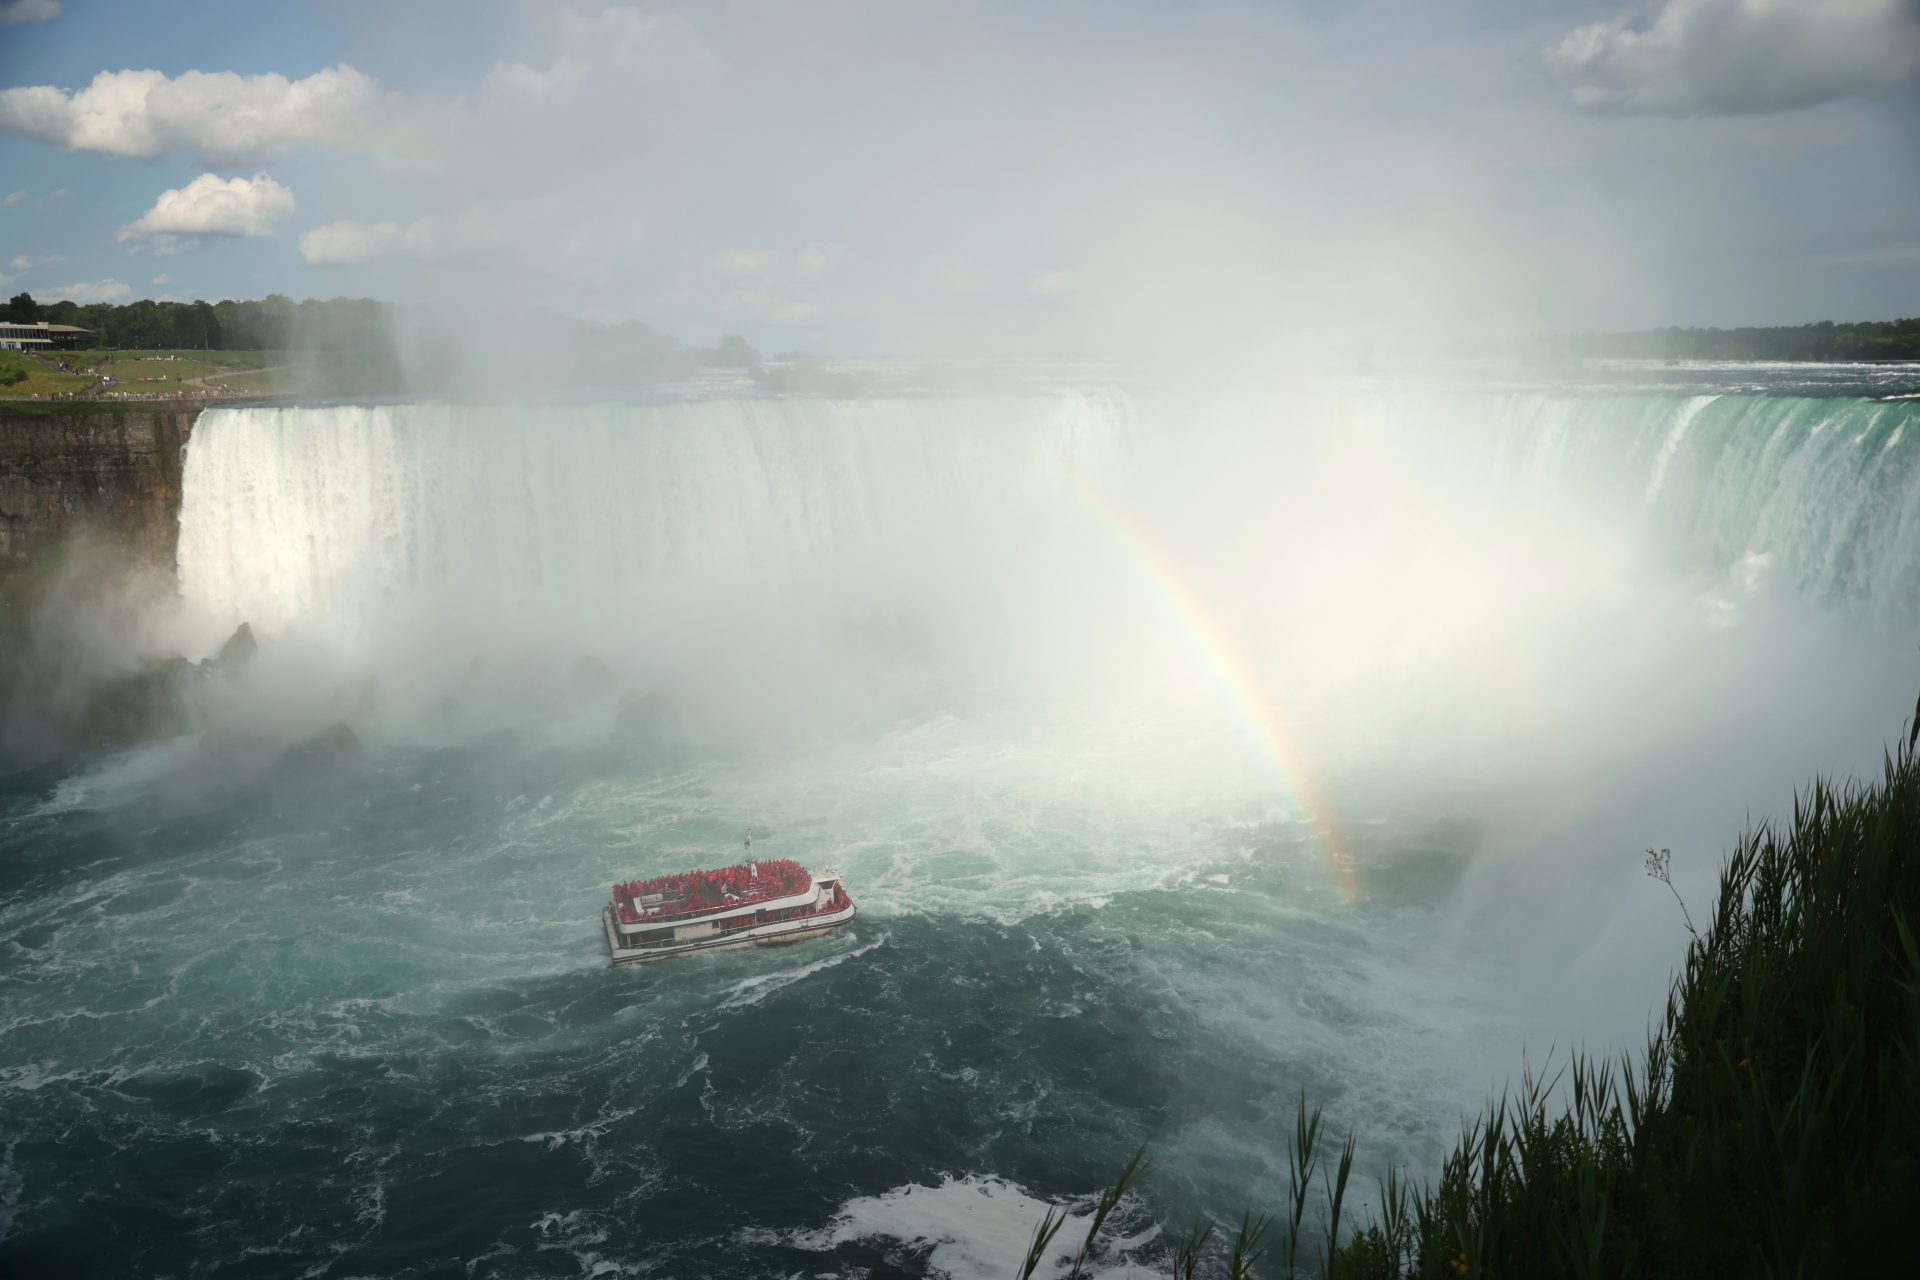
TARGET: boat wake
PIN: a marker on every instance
(751, 991)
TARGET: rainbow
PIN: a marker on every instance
(1239, 678)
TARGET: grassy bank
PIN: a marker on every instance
(21, 375)
(1771, 1127)
(147, 373)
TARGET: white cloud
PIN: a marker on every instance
(765, 280)
(97, 291)
(1052, 284)
(12, 198)
(231, 119)
(21, 263)
(61, 193)
(638, 47)
(771, 308)
(162, 278)
(1730, 57)
(227, 118)
(746, 262)
(28, 11)
(817, 261)
(210, 206)
(491, 228)
(341, 244)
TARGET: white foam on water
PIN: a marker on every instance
(972, 1228)
(751, 991)
(120, 778)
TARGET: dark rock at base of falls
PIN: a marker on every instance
(147, 703)
(75, 703)
(592, 678)
(235, 653)
(251, 755)
(650, 723)
(335, 742)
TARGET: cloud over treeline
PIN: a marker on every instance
(1733, 57)
(90, 291)
(348, 243)
(210, 206)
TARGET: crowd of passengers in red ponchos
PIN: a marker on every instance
(691, 891)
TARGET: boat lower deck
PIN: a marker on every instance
(775, 933)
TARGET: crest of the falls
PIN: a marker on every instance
(338, 515)
(614, 517)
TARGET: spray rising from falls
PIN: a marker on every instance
(1309, 568)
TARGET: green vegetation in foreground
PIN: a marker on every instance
(1772, 1127)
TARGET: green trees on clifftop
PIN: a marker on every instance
(1867, 340)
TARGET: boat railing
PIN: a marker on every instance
(782, 880)
(833, 905)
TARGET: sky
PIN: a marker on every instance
(856, 177)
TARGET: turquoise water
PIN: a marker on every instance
(271, 1012)
(357, 1018)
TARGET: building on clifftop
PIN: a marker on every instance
(41, 336)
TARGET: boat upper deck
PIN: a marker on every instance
(686, 894)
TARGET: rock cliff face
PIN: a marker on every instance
(89, 522)
(112, 474)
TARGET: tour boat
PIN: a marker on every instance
(754, 904)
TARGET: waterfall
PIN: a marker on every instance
(331, 514)
(614, 523)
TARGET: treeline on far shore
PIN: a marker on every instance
(367, 330)
(272, 323)
(1863, 340)
(373, 332)
(361, 346)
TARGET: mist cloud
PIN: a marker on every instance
(1736, 57)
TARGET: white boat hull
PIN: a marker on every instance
(765, 935)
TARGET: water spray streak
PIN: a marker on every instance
(1216, 645)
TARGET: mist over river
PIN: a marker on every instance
(1184, 753)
